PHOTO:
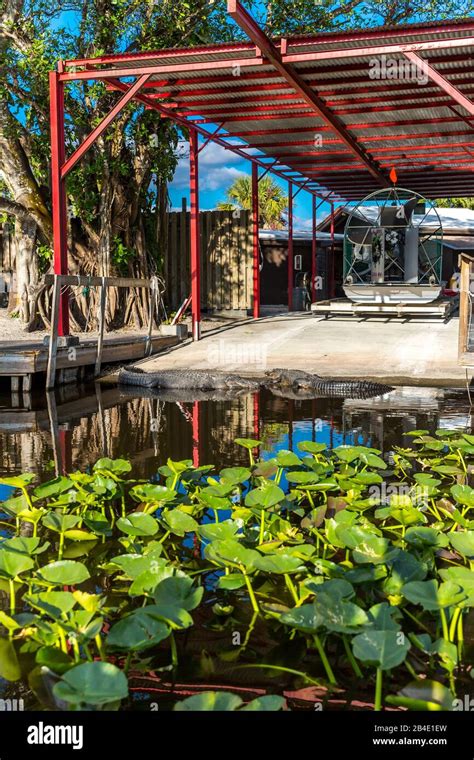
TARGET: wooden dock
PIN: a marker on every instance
(21, 361)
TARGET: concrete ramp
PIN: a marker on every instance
(409, 352)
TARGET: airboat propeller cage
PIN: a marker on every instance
(391, 253)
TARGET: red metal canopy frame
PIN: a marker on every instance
(322, 112)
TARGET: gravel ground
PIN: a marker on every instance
(11, 330)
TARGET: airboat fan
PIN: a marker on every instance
(393, 247)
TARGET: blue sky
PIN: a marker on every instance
(218, 168)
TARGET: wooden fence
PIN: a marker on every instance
(226, 260)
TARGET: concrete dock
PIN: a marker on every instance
(419, 351)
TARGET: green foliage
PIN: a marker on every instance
(272, 200)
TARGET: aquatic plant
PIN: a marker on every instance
(345, 569)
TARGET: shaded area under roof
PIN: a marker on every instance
(410, 122)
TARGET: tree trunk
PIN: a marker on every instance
(27, 275)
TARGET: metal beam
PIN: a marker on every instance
(314, 255)
(255, 243)
(197, 128)
(58, 193)
(290, 247)
(194, 234)
(97, 131)
(258, 37)
(441, 81)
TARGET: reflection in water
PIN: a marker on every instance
(77, 426)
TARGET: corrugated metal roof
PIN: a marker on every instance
(408, 122)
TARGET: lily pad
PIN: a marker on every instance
(383, 649)
(92, 683)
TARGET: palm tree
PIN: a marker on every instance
(272, 201)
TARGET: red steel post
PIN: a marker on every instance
(194, 233)
(290, 246)
(332, 289)
(314, 260)
(255, 243)
(58, 191)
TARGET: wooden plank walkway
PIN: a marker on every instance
(24, 359)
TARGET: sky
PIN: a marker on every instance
(218, 168)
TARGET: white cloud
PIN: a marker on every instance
(217, 168)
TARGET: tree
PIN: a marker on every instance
(455, 203)
(272, 201)
(117, 193)
(119, 187)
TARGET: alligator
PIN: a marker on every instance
(279, 381)
(184, 379)
(296, 380)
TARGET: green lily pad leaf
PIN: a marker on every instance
(265, 497)
(92, 683)
(287, 458)
(340, 615)
(9, 665)
(172, 614)
(421, 537)
(97, 523)
(52, 488)
(447, 469)
(248, 443)
(8, 622)
(431, 595)
(366, 478)
(231, 582)
(13, 564)
(133, 565)
(213, 501)
(268, 703)
(234, 475)
(347, 453)
(80, 535)
(279, 564)
(425, 479)
(306, 618)
(463, 576)
(15, 505)
(423, 695)
(60, 522)
(117, 466)
(137, 631)
(54, 603)
(178, 591)
(374, 550)
(54, 659)
(383, 649)
(227, 529)
(146, 582)
(337, 588)
(303, 477)
(464, 543)
(179, 522)
(65, 572)
(311, 447)
(463, 495)
(207, 701)
(373, 460)
(18, 481)
(231, 553)
(151, 492)
(417, 433)
(138, 524)
(382, 617)
(25, 545)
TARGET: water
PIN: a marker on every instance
(78, 425)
